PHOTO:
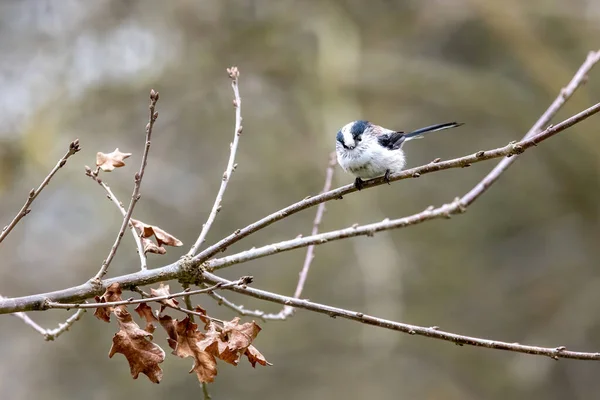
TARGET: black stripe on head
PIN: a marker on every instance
(340, 137)
(358, 127)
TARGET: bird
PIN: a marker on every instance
(370, 151)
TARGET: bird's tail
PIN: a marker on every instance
(418, 134)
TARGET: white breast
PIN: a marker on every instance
(370, 160)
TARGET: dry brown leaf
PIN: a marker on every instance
(230, 342)
(168, 324)
(136, 345)
(112, 293)
(163, 290)
(145, 311)
(204, 317)
(151, 247)
(162, 237)
(109, 161)
(254, 356)
(188, 338)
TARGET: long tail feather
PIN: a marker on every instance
(418, 134)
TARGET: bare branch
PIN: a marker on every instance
(237, 103)
(240, 309)
(445, 211)
(136, 188)
(432, 332)
(73, 148)
(50, 334)
(174, 270)
(288, 311)
(50, 304)
(578, 80)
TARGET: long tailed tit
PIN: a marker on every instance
(368, 151)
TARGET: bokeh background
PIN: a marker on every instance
(521, 265)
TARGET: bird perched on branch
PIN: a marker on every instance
(369, 151)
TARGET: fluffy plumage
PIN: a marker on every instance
(368, 151)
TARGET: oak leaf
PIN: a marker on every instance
(231, 341)
(188, 340)
(109, 161)
(136, 345)
(112, 293)
(145, 311)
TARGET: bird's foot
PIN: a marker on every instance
(386, 177)
(359, 183)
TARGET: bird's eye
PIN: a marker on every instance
(358, 139)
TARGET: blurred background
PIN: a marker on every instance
(520, 266)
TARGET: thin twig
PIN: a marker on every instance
(111, 196)
(288, 311)
(205, 392)
(136, 188)
(50, 304)
(432, 332)
(50, 334)
(73, 148)
(578, 80)
(240, 309)
(231, 166)
(445, 211)
(187, 299)
(188, 310)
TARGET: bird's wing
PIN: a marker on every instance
(391, 140)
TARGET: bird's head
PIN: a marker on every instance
(351, 134)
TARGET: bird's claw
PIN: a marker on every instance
(358, 183)
(386, 177)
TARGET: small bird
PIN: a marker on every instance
(369, 151)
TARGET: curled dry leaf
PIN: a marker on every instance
(163, 290)
(136, 345)
(112, 293)
(168, 324)
(204, 317)
(145, 311)
(162, 237)
(188, 340)
(254, 356)
(108, 162)
(231, 341)
(151, 247)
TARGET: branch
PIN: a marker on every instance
(73, 148)
(459, 205)
(578, 80)
(432, 332)
(136, 189)
(242, 281)
(288, 311)
(174, 270)
(237, 103)
(51, 334)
